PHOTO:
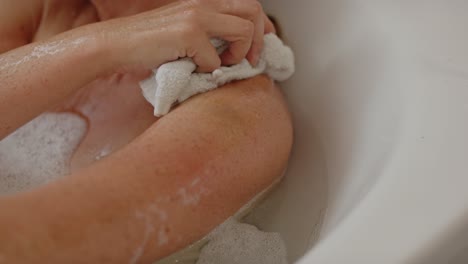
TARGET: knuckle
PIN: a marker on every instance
(256, 8)
(248, 28)
(192, 23)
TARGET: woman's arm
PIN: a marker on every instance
(35, 77)
(169, 187)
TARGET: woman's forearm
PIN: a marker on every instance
(37, 76)
(163, 191)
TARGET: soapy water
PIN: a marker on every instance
(41, 150)
(235, 242)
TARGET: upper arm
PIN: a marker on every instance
(18, 21)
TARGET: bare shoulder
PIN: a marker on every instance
(19, 18)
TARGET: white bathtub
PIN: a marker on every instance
(380, 105)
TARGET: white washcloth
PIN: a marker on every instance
(177, 81)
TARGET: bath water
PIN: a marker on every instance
(39, 152)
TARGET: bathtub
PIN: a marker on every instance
(379, 171)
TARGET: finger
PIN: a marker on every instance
(269, 25)
(248, 9)
(237, 31)
(257, 42)
(205, 56)
(253, 11)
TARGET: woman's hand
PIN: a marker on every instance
(184, 29)
(143, 41)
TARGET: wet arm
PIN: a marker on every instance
(39, 75)
(166, 189)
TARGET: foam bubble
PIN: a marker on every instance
(235, 242)
(39, 152)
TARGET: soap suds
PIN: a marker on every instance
(192, 194)
(149, 229)
(39, 152)
(149, 216)
(104, 152)
(50, 48)
(195, 182)
(234, 243)
(187, 198)
(161, 214)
